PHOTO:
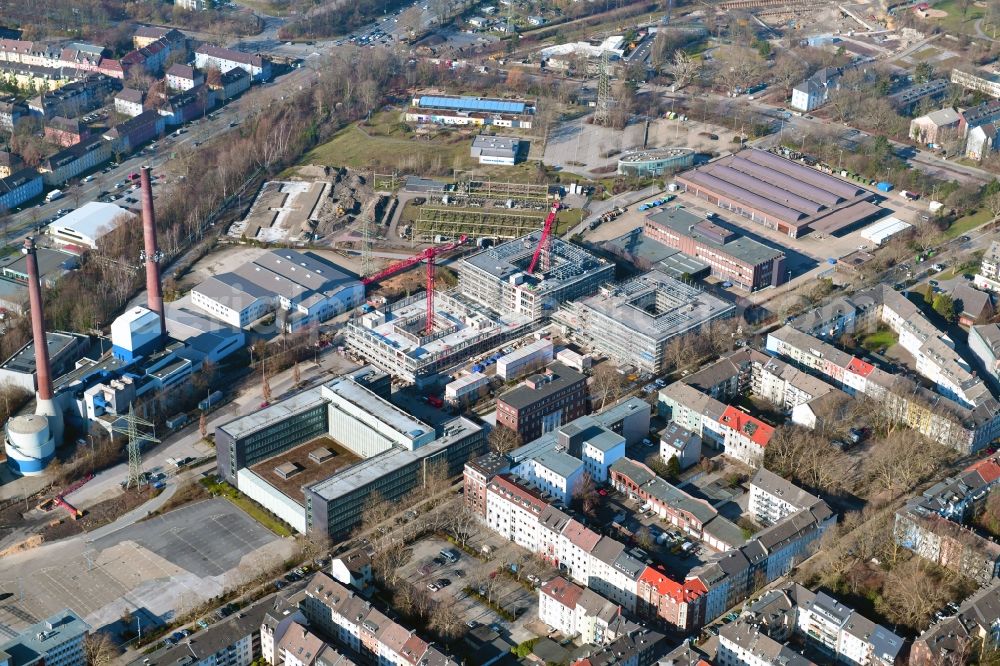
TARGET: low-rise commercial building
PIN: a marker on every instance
(301, 287)
(744, 262)
(85, 226)
(454, 110)
(501, 150)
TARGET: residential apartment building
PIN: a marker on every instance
(76, 160)
(19, 187)
(9, 163)
(931, 128)
(679, 606)
(744, 437)
(977, 81)
(129, 102)
(475, 478)
(11, 112)
(129, 135)
(543, 402)
(231, 83)
(234, 641)
(984, 343)
(988, 276)
(73, 99)
(555, 473)
(65, 132)
(145, 35)
(338, 614)
(772, 498)
(183, 77)
(254, 64)
(933, 415)
(933, 525)
(676, 442)
(952, 639)
(744, 262)
(815, 91)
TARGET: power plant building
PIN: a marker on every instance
(302, 287)
(632, 322)
(498, 277)
(314, 459)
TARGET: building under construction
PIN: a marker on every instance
(499, 279)
(395, 337)
(632, 322)
(485, 209)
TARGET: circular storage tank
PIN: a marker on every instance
(29, 446)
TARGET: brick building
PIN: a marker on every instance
(543, 402)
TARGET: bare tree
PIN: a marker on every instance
(447, 621)
(503, 440)
(683, 68)
(99, 649)
(585, 496)
(607, 383)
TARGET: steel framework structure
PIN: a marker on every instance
(496, 223)
(135, 440)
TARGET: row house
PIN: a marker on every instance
(71, 162)
(637, 647)
(555, 473)
(932, 414)
(32, 78)
(576, 611)
(129, 135)
(231, 84)
(65, 131)
(783, 385)
(355, 625)
(187, 106)
(677, 605)
(74, 98)
(693, 516)
(19, 187)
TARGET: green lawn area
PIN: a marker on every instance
(567, 219)
(251, 508)
(955, 20)
(925, 53)
(354, 148)
(966, 224)
(879, 340)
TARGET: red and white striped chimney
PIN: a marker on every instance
(154, 293)
(42, 365)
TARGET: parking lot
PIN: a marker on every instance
(427, 569)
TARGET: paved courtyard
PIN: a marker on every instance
(159, 566)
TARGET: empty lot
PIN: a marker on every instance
(162, 565)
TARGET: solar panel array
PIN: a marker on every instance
(471, 104)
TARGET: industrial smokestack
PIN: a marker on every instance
(151, 253)
(43, 368)
(42, 365)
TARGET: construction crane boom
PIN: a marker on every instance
(543, 244)
(427, 255)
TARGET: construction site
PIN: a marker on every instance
(484, 209)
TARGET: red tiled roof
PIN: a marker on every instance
(989, 469)
(563, 591)
(687, 591)
(859, 367)
(758, 431)
(581, 536)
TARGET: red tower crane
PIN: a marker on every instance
(543, 243)
(428, 255)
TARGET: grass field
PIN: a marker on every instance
(879, 340)
(966, 224)
(251, 508)
(954, 20)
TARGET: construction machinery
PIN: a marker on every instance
(543, 244)
(428, 255)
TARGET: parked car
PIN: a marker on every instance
(433, 587)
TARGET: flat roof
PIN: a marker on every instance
(729, 241)
(91, 220)
(23, 360)
(472, 104)
(245, 425)
(567, 262)
(656, 305)
(884, 228)
(310, 472)
(379, 408)
(38, 639)
(523, 395)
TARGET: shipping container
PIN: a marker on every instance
(213, 399)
